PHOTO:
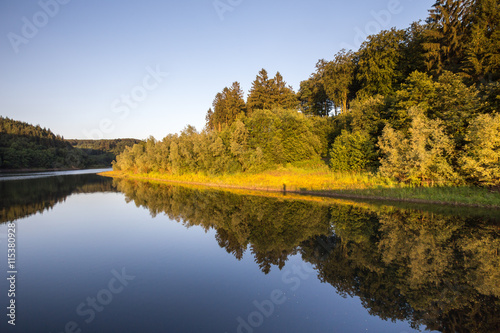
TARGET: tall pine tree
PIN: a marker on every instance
(267, 94)
(448, 32)
(227, 105)
(259, 95)
(482, 53)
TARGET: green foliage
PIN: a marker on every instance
(379, 58)
(447, 99)
(258, 97)
(102, 152)
(481, 157)
(251, 143)
(352, 152)
(413, 53)
(368, 114)
(463, 37)
(482, 52)
(113, 146)
(24, 146)
(339, 75)
(456, 105)
(282, 96)
(269, 94)
(490, 97)
(447, 35)
(421, 156)
(312, 93)
(418, 92)
(227, 105)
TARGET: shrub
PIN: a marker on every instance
(352, 151)
(480, 161)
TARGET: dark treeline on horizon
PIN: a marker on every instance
(419, 105)
(24, 146)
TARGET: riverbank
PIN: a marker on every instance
(330, 184)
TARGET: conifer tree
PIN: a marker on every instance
(227, 105)
(258, 97)
(482, 53)
(282, 96)
(447, 36)
(267, 94)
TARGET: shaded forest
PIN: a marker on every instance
(418, 105)
(24, 146)
(436, 270)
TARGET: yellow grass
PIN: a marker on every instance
(321, 180)
(295, 179)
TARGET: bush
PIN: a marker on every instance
(480, 161)
(352, 151)
(421, 156)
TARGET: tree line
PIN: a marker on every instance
(24, 146)
(419, 105)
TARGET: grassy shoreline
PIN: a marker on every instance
(318, 182)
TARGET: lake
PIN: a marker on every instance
(93, 254)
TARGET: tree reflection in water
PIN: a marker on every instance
(436, 270)
(22, 198)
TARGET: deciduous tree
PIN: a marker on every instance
(339, 75)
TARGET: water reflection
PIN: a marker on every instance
(273, 229)
(435, 270)
(22, 198)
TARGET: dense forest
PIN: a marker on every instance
(434, 269)
(419, 105)
(24, 146)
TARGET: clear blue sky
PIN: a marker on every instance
(83, 67)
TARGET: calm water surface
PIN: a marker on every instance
(100, 255)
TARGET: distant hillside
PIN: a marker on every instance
(24, 146)
(103, 152)
(113, 146)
